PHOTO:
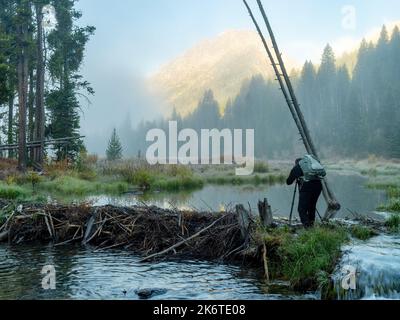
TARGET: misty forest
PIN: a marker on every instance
(283, 231)
(351, 113)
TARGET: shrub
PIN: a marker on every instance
(142, 178)
(261, 167)
(179, 171)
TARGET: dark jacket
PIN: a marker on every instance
(310, 186)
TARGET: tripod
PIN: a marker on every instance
(294, 198)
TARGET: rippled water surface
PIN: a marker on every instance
(85, 274)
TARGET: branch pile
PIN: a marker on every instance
(147, 231)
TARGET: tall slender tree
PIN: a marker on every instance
(67, 44)
(39, 128)
(23, 20)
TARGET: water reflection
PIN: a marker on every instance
(349, 189)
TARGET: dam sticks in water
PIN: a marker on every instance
(143, 230)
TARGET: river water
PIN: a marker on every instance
(82, 273)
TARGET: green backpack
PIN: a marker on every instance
(312, 169)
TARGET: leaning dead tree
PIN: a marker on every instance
(275, 57)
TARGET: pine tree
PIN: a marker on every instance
(67, 45)
(114, 150)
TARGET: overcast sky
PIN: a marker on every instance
(134, 37)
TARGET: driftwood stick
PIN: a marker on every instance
(52, 224)
(5, 225)
(90, 224)
(265, 259)
(48, 226)
(177, 245)
(67, 242)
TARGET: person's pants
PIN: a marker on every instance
(308, 206)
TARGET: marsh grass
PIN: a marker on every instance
(392, 206)
(393, 223)
(13, 192)
(269, 179)
(261, 167)
(362, 232)
(73, 186)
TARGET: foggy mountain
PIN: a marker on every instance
(220, 64)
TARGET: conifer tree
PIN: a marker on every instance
(114, 150)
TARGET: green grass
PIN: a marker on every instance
(391, 185)
(392, 206)
(393, 192)
(72, 186)
(362, 232)
(306, 256)
(175, 178)
(13, 192)
(393, 223)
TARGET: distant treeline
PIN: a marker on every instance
(350, 114)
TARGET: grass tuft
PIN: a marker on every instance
(362, 232)
(12, 192)
(393, 223)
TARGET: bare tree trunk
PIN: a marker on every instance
(31, 111)
(10, 132)
(40, 113)
(22, 95)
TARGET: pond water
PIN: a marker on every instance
(349, 188)
(82, 273)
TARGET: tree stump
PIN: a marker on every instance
(265, 212)
(244, 221)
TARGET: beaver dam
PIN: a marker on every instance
(306, 259)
